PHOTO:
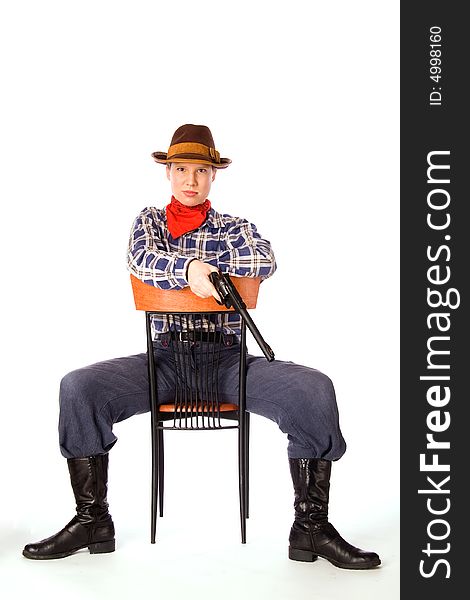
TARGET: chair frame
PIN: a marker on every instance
(163, 302)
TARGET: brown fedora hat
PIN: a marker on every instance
(194, 144)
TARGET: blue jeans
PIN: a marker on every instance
(301, 400)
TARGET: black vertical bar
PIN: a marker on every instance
(189, 373)
(216, 354)
(161, 468)
(170, 326)
(214, 379)
(205, 354)
(192, 380)
(193, 373)
(153, 424)
(181, 350)
(247, 464)
(200, 368)
(242, 430)
(206, 361)
(434, 299)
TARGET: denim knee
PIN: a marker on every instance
(314, 414)
(315, 394)
(84, 429)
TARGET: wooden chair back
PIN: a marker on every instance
(150, 298)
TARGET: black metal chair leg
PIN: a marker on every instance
(242, 481)
(161, 467)
(155, 478)
(247, 466)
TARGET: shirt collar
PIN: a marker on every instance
(214, 219)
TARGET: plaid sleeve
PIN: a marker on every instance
(247, 253)
(148, 260)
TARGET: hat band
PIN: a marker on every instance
(193, 148)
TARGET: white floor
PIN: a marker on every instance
(198, 553)
(194, 562)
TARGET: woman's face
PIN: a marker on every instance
(190, 182)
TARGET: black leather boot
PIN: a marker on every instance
(311, 534)
(92, 526)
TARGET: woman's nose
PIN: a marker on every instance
(191, 178)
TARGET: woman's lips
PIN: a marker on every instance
(190, 194)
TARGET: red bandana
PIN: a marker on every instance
(182, 218)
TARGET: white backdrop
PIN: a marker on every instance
(303, 97)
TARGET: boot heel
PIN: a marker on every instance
(102, 547)
(303, 555)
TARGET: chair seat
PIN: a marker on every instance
(206, 407)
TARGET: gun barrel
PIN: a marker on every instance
(267, 351)
(230, 297)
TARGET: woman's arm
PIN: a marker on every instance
(247, 253)
(147, 258)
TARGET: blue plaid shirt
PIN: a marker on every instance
(229, 243)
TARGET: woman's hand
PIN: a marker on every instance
(198, 279)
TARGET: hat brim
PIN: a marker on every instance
(161, 157)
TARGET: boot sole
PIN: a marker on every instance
(309, 556)
(96, 548)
